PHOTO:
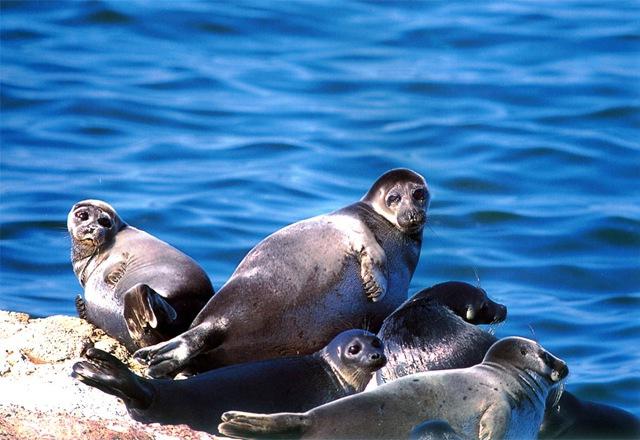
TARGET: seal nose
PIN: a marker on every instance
(562, 369)
(501, 313)
(378, 359)
(416, 217)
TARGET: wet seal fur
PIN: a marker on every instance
(309, 281)
(285, 384)
(137, 288)
(502, 397)
(434, 330)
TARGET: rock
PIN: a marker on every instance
(39, 398)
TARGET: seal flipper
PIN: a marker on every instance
(146, 312)
(249, 425)
(81, 307)
(104, 371)
(172, 356)
(434, 430)
(373, 266)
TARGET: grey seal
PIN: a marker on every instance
(137, 288)
(294, 383)
(307, 282)
(503, 397)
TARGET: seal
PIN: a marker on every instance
(309, 281)
(137, 288)
(434, 430)
(573, 418)
(502, 397)
(284, 384)
(434, 330)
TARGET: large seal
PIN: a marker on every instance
(434, 330)
(137, 288)
(503, 397)
(309, 281)
(284, 384)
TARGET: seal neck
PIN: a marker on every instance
(81, 263)
(347, 379)
(535, 387)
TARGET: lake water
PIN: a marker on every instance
(211, 125)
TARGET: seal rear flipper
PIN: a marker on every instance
(104, 371)
(249, 425)
(146, 313)
(434, 430)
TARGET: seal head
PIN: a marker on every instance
(92, 224)
(402, 197)
(353, 355)
(527, 355)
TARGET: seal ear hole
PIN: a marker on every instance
(354, 349)
(523, 352)
(104, 222)
(82, 215)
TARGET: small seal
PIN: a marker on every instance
(137, 288)
(503, 397)
(284, 384)
(434, 330)
(310, 281)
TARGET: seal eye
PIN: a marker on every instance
(418, 194)
(523, 352)
(104, 222)
(393, 198)
(82, 215)
(354, 349)
(376, 343)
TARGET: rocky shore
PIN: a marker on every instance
(39, 398)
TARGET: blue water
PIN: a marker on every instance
(211, 125)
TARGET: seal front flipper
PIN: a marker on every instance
(146, 313)
(81, 307)
(494, 422)
(103, 371)
(373, 265)
(172, 356)
(434, 430)
(248, 425)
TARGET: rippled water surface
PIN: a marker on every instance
(213, 124)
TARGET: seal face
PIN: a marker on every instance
(137, 288)
(347, 269)
(503, 397)
(434, 330)
(299, 383)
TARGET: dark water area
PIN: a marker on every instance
(213, 124)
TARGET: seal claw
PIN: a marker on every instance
(81, 307)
